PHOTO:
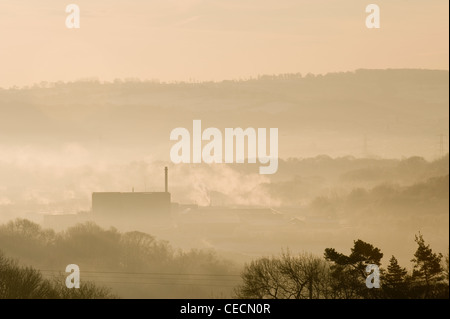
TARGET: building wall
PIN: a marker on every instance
(127, 206)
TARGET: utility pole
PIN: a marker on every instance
(441, 145)
(365, 147)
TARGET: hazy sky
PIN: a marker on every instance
(215, 39)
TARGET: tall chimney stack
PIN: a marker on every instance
(166, 171)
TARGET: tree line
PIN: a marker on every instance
(303, 276)
(108, 255)
(340, 276)
(20, 282)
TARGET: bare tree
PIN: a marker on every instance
(17, 282)
(287, 277)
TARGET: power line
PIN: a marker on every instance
(164, 284)
(165, 279)
(146, 273)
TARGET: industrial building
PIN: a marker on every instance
(132, 207)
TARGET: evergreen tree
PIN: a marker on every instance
(446, 269)
(350, 271)
(427, 265)
(395, 280)
(395, 274)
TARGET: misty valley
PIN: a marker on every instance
(361, 177)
